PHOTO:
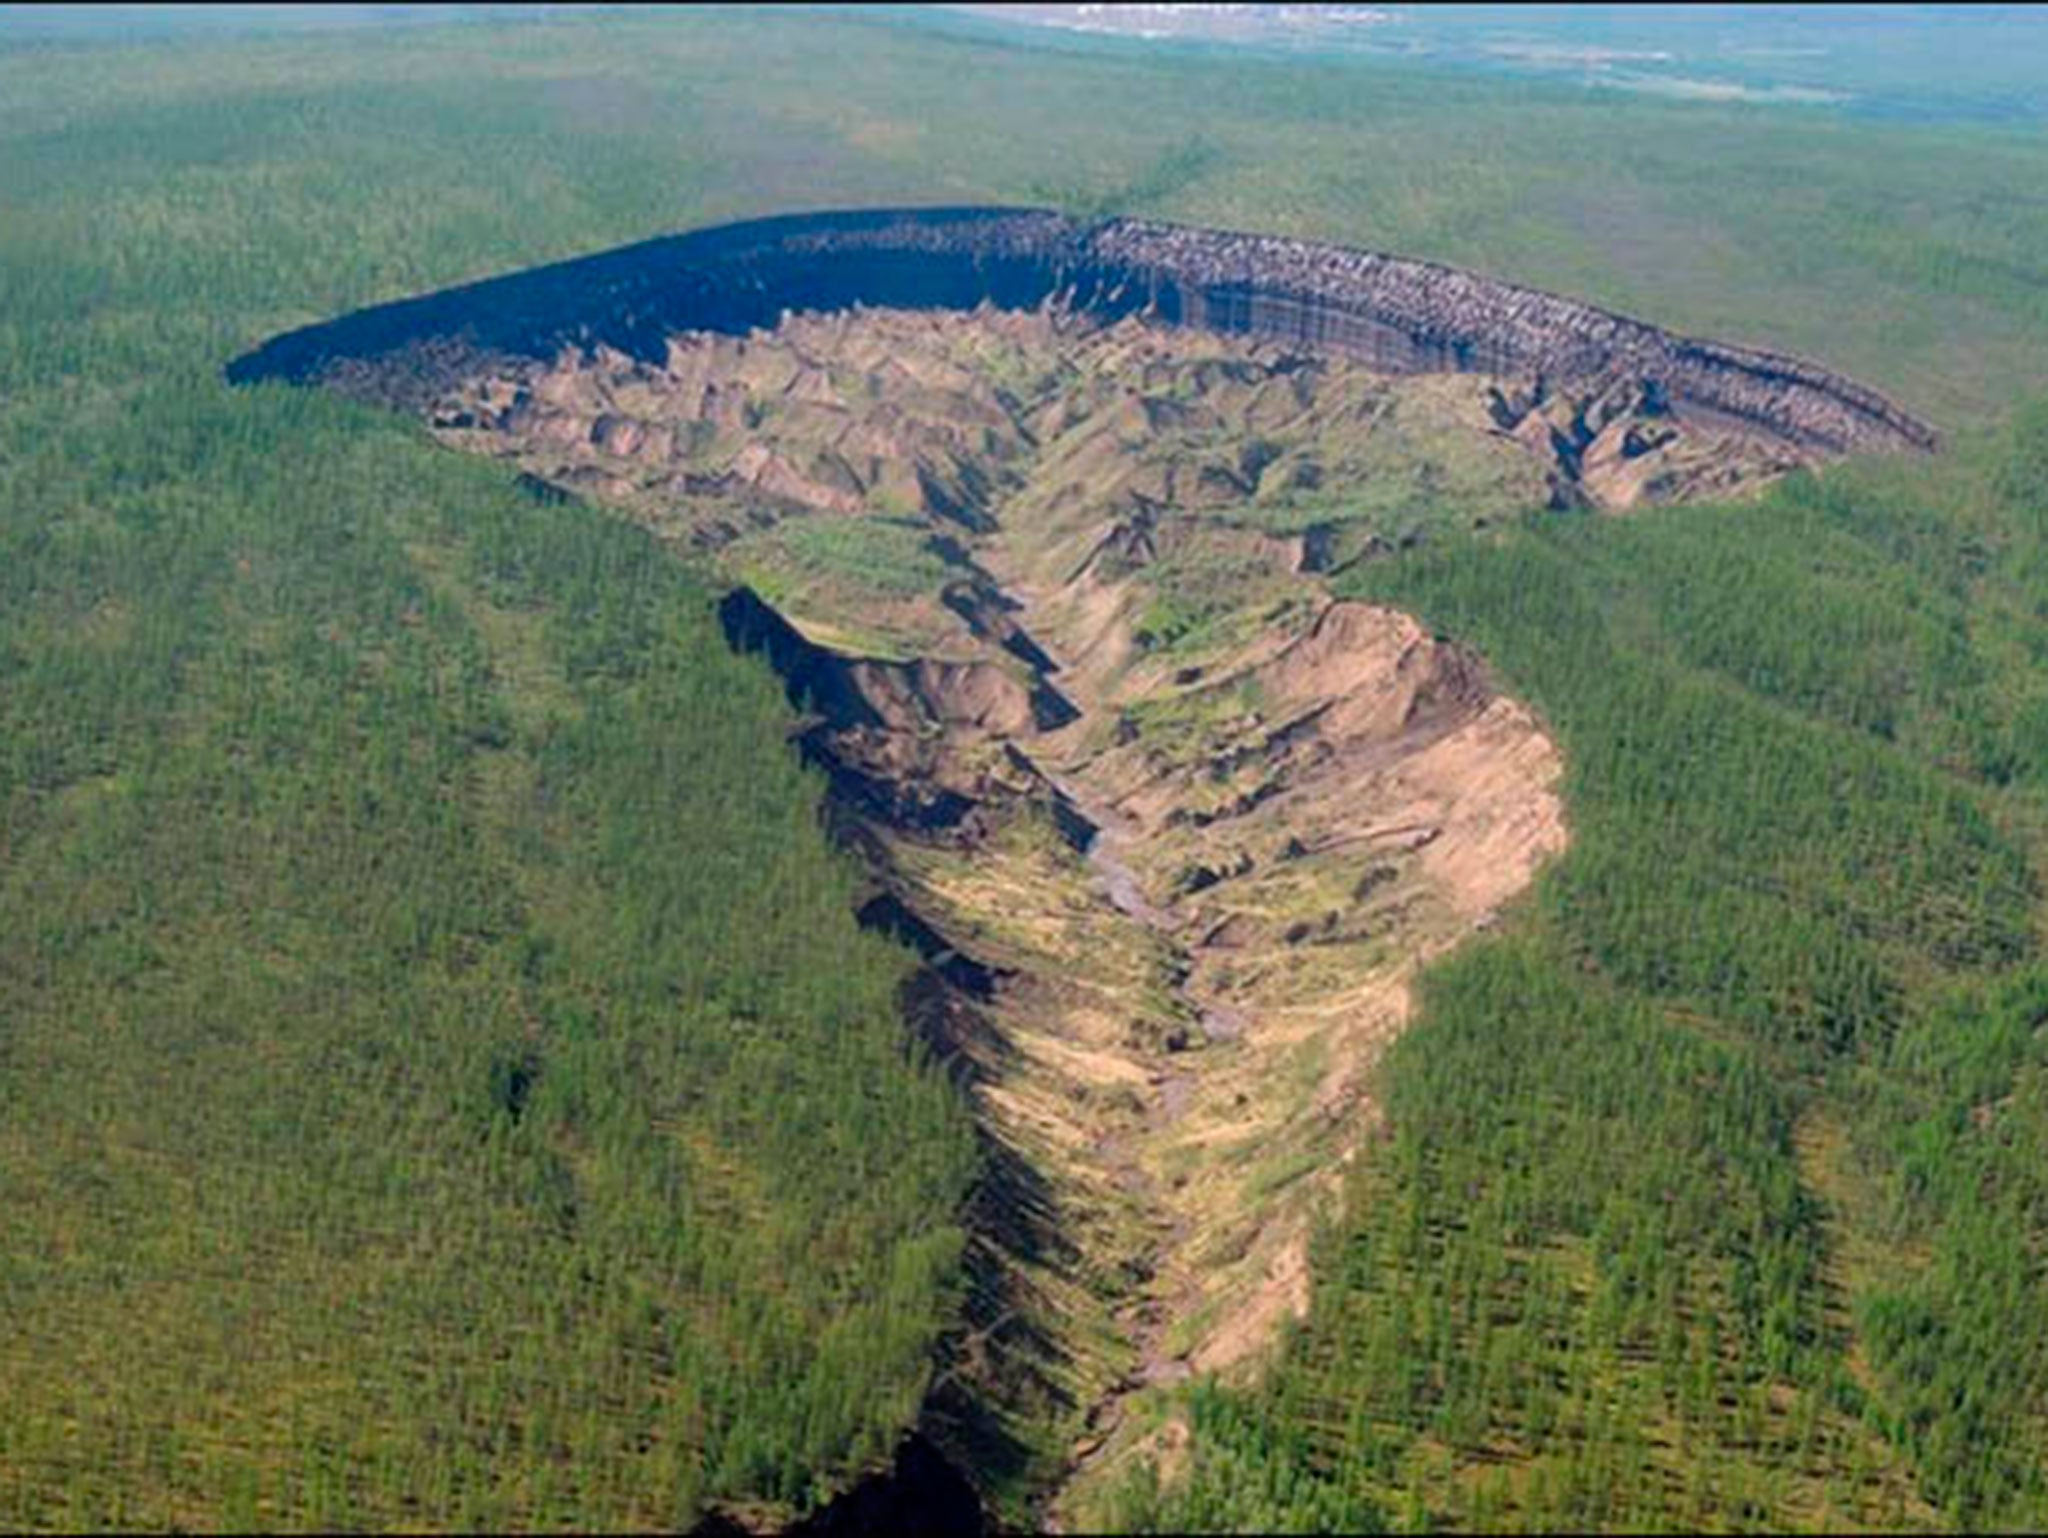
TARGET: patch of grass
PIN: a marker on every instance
(863, 558)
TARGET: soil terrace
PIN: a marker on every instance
(1400, 314)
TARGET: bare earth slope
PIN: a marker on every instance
(1401, 315)
(1174, 827)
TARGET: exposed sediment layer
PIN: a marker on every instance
(1402, 315)
(1169, 824)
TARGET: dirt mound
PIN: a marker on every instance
(1378, 672)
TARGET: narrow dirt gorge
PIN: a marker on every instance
(1171, 826)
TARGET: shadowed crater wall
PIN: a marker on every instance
(1403, 316)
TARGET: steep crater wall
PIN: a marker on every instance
(1401, 315)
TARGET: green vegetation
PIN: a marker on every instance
(441, 1080)
(1419, 467)
(444, 1082)
(874, 559)
(1713, 1196)
(328, 172)
(1199, 591)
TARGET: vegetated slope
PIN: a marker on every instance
(444, 1083)
(1713, 1190)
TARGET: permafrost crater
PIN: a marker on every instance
(1036, 521)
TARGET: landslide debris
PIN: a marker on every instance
(1171, 826)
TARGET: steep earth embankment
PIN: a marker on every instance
(1171, 827)
(1040, 546)
(1398, 314)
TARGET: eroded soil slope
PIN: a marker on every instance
(1172, 827)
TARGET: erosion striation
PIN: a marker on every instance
(1402, 315)
(1037, 522)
